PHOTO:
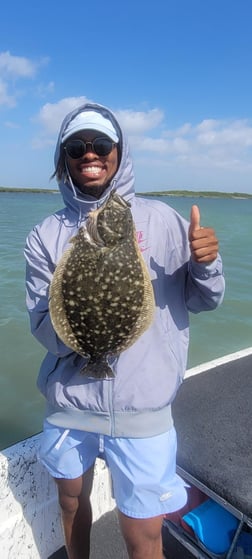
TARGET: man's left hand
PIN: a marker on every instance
(203, 241)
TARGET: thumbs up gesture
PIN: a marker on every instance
(203, 242)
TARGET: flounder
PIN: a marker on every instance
(101, 297)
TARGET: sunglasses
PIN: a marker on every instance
(78, 148)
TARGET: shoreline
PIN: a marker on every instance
(178, 193)
(198, 194)
(13, 189)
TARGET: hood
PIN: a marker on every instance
(122, 182)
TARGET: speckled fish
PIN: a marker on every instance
(101, 296)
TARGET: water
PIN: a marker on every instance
(213, 334)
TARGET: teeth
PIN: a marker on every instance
(95, 170)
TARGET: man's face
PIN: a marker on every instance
(92, 173)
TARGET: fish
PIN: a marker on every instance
(101, 297)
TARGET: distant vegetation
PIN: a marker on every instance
(198, 193)
(29, 190)
(188, 193)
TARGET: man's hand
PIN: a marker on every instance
(203, 242)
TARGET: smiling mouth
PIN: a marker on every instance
(94, 170)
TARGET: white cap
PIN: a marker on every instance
(90, 120)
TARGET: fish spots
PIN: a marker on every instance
(101, 297)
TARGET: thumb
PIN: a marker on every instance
(194, 219)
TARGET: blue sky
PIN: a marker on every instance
(178, 74)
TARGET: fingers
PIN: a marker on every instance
(203, 242)
(204, 245)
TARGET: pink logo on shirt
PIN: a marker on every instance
(141, 241)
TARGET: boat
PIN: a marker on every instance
(212, 414)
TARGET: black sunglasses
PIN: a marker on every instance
(78, 148)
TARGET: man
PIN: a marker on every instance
(126, 419)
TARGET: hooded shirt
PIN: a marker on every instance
(136, 402)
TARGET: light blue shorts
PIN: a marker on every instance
(143, 471)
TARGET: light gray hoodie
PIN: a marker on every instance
(137, 401)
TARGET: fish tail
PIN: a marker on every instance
(98, 369)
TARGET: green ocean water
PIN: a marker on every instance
(213, 334)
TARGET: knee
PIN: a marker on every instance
(68, 494)
(74, 494)
(68, 503)
(142, 537)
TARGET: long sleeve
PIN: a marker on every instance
(39, 272)
(205, 285)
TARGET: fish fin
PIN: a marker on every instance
(98, 369)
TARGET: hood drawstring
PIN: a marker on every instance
(96, 203)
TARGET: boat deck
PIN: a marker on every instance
(212, 414)
(116, 548)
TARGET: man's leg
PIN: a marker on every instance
(74, 500)
(142, 536)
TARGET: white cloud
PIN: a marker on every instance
(155, 145)
(44, 89)
(183, 130)
(17, 66)
(161, 146)
(207, 124)
(138, 122)
(181, 145)
(13, 68)
(5, 97)
(209, 144)
(51, 115)
(237, 133)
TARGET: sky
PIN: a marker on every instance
(177, 73)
